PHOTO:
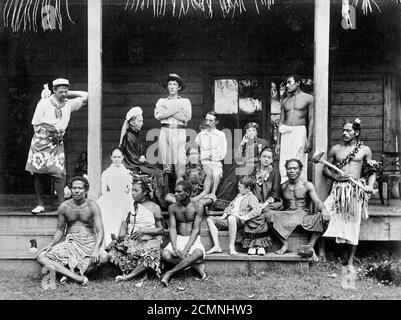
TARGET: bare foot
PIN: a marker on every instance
(283, 250)
(166, 279)
(322, 258)
(200, 268)
(120, 278)
(85, 282)
(215, 249)
(233, 253)
(314, 256)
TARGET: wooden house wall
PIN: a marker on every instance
(198, 49)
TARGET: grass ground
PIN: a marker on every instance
(319, 282)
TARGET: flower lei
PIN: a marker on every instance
(262, 177)
(350, 155)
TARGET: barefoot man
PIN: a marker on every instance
(84, 235)
(297, 194)
(346, 214)
(294, 140)
(185, 249)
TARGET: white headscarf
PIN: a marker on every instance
(133, 112)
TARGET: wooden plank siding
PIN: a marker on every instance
(120, 93)
(358, 96)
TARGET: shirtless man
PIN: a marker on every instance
(84, 236)
(185, 248)
(297, 194)
(346, 217)
(294, 140)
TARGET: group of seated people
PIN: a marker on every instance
(125, 225)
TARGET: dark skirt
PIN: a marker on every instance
(128, 254)
(256, 233)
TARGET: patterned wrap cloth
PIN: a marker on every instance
(75, 251)
(46, 153)
(130, 253)
(285, 222)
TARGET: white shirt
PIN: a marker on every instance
(173, 111)
(213, 144)
(45, 112)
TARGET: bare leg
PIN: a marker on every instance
(200, 268)
(214, 233)
(216, 181)
(138, 270)
(312, 242)
(352, 250)
(45, 261)
(169, 258)
(232, 233)
(322, 250)
(59, 186)
(284, 248)
(184, 263)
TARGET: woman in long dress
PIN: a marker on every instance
(138, 246)
(134, 155)
(246, 158)
(114, 203)
(256, 235)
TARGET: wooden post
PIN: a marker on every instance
(95, 97)
(321, 88)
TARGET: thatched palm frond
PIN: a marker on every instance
(22, 15)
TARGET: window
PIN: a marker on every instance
(237, 96)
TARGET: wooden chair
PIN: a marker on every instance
(389, 173)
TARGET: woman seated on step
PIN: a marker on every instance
(255, 235)
(134, 154)
(199, 176)
(246, 158)
(138, 246)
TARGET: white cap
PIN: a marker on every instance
(133, 112)
(61, 81)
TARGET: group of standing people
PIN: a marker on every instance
(125, 225)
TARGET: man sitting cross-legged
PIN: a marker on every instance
(185, 248)
(81, 248)
(297, 194)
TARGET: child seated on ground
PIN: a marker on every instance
(244, 207)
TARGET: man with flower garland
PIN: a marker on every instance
(347, 203)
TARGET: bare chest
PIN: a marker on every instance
(74, 215)
(183, 214)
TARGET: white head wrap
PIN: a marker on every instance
(133, 112)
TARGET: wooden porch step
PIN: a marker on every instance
(223, 263)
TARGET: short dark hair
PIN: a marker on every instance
(252, 125)
(287, 162)
(187, 186)
(267, 148)
(355, 125)
(296, 77)
(214, 114)
(79, 178)
(116, 148)
(248, 182)
(191, 145)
